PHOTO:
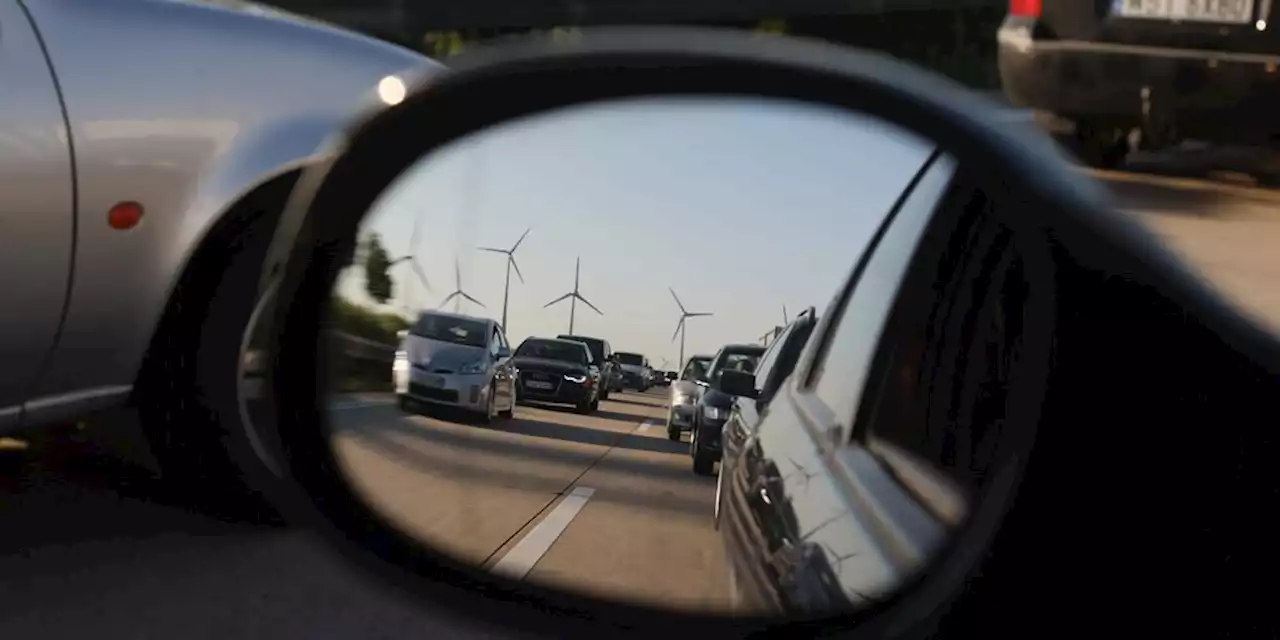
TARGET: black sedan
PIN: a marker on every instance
(713, 407)
(559, 371)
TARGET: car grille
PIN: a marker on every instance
(430, 393)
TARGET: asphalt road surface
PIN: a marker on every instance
(91, 545)
(603, 503)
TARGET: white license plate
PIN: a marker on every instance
(434, 382)
(1219, 11)
(534, 384)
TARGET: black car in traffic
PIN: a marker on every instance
(713, 406)
(602, 355)
(558, 371)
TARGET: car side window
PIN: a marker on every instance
(769, 357)
(495, 342)
(839, 373)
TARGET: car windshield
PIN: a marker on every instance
(631, 359)
(552, 350)
(695, 369)
(736, 360)
(596, 346)
(472, 333)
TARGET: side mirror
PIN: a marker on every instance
(738, 383)
(504, 352)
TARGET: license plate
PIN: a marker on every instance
(434, 382)
(1219, 11)
(534, 384)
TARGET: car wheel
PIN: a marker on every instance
(510, 411)
(405, 404)
(703, 463)
(490, 408)
(189, 398)
(1100, 148)
(673, 431)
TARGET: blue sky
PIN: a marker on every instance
(742, 206)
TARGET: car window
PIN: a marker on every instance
(838, 374)
(495, 342)
(574, 352)
(462, 331)
(788, 355)
(769, 357)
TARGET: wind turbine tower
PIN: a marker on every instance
(458, 294)
(511, 264)
(416, 266)
(574, 296)
(685, 314)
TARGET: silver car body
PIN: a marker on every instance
(185, 107)
(683, 398)
(452, 374)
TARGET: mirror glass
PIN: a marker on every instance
(680, 231)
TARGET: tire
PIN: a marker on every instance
(491, 409)
(703, 463)
(405, 404)
(1099, 149)
(715, 513)
(673, 432)
(510, 411)
(595, 405)
(583, 407)
(190, 401)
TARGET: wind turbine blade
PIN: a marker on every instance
(577, 267)
(584, 301)
(492, 249)
(697, 315)
(522, 237)
(785, 317)
(467, 296)
(421, 273)
(560, 299)
(457, 273)
(678, 326)
(677, 299)
(413, 235)
(398, 261)
(449, 299)
(516, 267)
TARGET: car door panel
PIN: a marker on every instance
(37, 210)
(828, 524)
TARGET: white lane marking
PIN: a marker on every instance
(520, 559)
(648, 424)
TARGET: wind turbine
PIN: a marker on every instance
(680, 326)
(412, 259)
(458, 295)
(574, 296)
(777, 330)
(511, 264)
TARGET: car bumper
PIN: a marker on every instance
(464, 391)
(565, 392)
(1207, 94)
(633, 380)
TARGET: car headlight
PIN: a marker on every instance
(575, 379)
(478, 366)
(715, 413)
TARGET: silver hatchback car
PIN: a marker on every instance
(457, 361)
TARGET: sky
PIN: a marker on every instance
(740, 205)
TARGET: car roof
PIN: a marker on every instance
(458, 316)
(560, 340)
(743, 348)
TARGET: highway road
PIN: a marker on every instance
(92, 545)
(604, 503)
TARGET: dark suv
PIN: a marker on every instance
(610, 373)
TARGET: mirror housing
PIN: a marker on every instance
(504, 352)
(738, 383)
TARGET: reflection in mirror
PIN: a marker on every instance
(672, 230)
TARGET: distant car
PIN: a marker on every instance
(602, 352)
(713, 407)
(455, 360)
(1172, 70)
(558, 371)
(635, 370)
(685, 392)
(753, 392)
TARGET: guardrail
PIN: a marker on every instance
(362, 348)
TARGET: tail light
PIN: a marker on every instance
(1025, 8)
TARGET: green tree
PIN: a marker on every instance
(377, 267)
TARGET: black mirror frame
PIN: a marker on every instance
(490, 86)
